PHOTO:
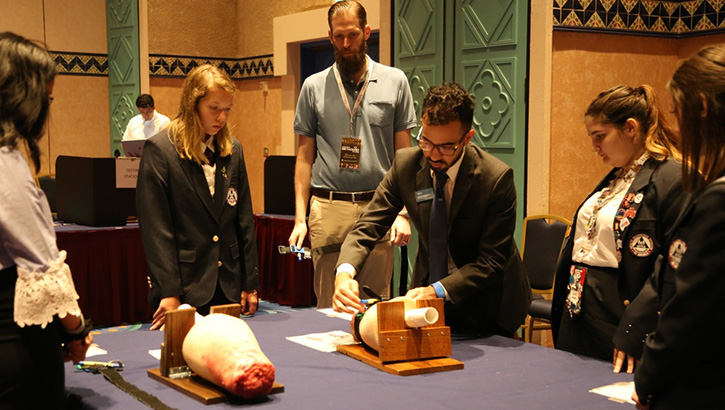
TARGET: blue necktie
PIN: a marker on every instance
(438, 235)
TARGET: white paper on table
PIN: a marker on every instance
(155, 353)
(95, 350)
(331, 313)
(324, 342)
(620, 392)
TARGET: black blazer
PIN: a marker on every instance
(191, 240)
(682, 363)
(490, 285)
(660, 185)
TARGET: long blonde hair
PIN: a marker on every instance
(186, 129)
(617, 104)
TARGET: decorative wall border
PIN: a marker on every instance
(166, 65)
(237, 68)
(81, 63)
(644, 17)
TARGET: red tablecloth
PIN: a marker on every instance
(283, 278)
(109, 271)
(110, 275)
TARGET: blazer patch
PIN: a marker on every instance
(232, 196)
(641, 245)
(678, 247)
(424, 195)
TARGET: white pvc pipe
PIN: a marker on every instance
(421, 317)
(197, 316)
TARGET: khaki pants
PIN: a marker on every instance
(329, 223)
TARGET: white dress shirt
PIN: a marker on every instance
(138, 129)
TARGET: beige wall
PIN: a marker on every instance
(76, 26)
(23, 17)
(79, 118)
(193, 28)
(255, 22)
(256, 123)
(583, 65)
(79, 121)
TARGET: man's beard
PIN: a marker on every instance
(353, 64)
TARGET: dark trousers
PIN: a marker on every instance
(590, 332)
(31, 358)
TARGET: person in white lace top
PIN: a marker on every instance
(41, 324)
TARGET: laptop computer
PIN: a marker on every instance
(133, 148)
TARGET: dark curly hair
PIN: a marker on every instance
(26, 68)
(446, 102)
(145, 101)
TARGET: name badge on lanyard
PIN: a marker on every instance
(350, 147)
(350, 153)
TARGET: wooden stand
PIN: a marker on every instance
(407, 351)
(178, 324)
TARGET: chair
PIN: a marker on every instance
(542, 241)
(47, 184)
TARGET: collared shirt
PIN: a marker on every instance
(138, 129)
(599, 250)
(386, 108)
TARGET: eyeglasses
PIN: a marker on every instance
(445, 149)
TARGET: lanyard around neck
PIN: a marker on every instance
(343, 94)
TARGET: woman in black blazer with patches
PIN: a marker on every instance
(618, 230)
(683, 358)
(194, 205)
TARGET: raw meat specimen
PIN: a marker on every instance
(222, 349)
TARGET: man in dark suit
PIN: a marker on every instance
(477, 267)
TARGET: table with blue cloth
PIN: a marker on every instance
(499, 373)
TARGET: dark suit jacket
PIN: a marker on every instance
(659, 183)
(683, 359)
(490, 286)
(191, 240)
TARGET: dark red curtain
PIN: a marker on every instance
(283, 278)
(109, 271)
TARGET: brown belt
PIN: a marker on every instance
(363, 196)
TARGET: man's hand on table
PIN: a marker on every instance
(347, 294)
(422, 293)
